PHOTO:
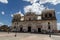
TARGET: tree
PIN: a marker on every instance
(4, 28)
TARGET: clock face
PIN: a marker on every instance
(39, 18)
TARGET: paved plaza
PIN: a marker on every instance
(27, 36)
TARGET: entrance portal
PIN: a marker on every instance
(39, 29)
(21, 29)
(29, 29)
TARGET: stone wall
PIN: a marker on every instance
(37, 24)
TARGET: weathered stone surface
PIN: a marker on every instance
(30, 20)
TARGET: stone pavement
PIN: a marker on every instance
(55, 37)
(27, 36)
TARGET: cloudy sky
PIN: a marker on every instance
(10, 7)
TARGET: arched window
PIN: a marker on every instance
(45, 15)
(14, 27)
(48, 22)
(29, 19)
(49, 25)
(50, 15)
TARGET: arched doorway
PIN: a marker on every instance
(39, 29)
(29, 28)
(39, 26)
(21, 29)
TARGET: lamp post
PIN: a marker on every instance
(15, 32)
(8, 31)
(16, 27)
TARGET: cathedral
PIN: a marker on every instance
(32, 22)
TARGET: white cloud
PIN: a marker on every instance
(2, 12)
(11, 15)
(4, 1)
(1, 23)
(31, 1)
(27, 8)
(58, 12)
(58, 25)
(54, 2)
(35, 7)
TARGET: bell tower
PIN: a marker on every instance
(48, 14)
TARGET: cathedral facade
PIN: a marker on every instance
(32, 22)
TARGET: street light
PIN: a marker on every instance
(8, 31)
(15, 31)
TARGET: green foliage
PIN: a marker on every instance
(4, 28)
